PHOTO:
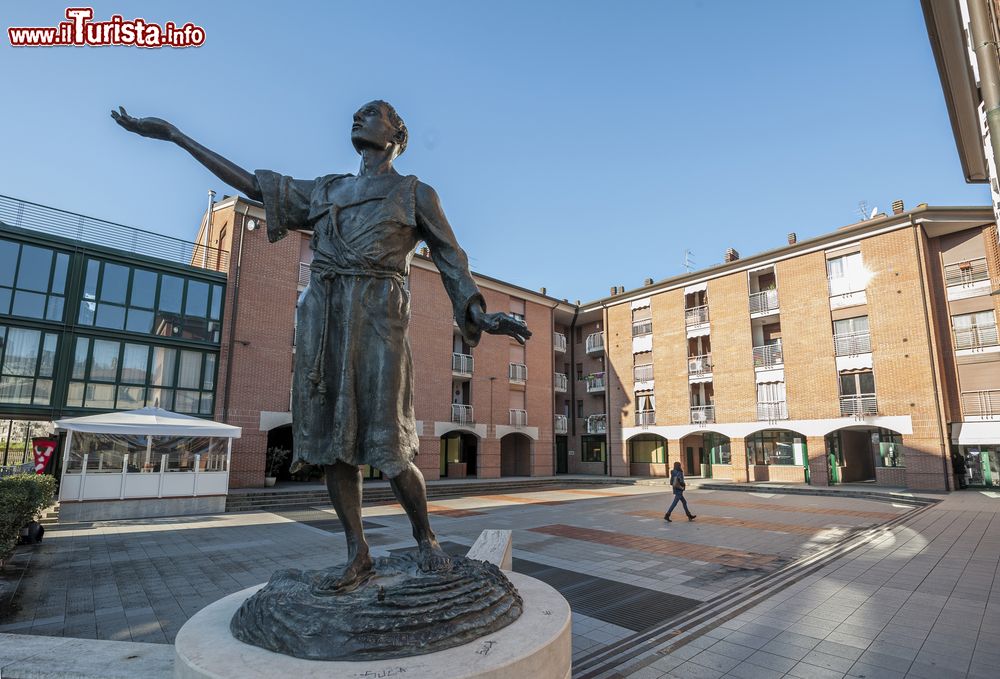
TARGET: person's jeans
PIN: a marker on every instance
(679, 497)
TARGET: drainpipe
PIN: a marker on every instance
(985, 47)
(208, 229)
(236, 308)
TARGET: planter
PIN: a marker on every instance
(269, 481)
(31, 534)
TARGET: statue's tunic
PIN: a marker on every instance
(352, 393)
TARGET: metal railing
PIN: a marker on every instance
(767, 355)
(462, 414)
(644, 418)
(846, 285)
(964, 273)
(597, 424)
(773, 410)
(304, 274)
(700, 414)
(27, 215)
(517, 372)
(595, 383)
(561, 424)
(560, 382)
(981, 403)
(696, 315)
(518, 418)
(642, 327)
(763, 301)
(858, 404)
(642, 373)
(852, 343)
(976, 336)
(700, 365)
(595, 342)
(558, 341)
(462, 363)
(15, 469)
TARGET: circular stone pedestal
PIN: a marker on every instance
(537, 644)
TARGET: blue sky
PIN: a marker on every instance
(575, 145)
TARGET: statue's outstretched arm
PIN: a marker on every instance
(226, 170)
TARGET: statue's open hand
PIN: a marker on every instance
(154, 128)
(501, 324)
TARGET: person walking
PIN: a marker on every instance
(677, 483)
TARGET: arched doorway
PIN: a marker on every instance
(647, 455)
(281, 437)
(777, 455)
(855, 454)
(515, 455)
(706, 454)
(459, 453)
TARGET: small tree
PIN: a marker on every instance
(276, 457)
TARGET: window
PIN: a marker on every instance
(579, 409)
(647, 449)
(579, 371)
(592, 449)
(578, 331)
(974, 330)
(27, 358)
(645, 402)
(642, 327)
(119, 297)
(32, 281)
(718, 448)
(888, 448)
(111, 374)
(846, 274)
(860, 383)
(851, 337)
(776, 447)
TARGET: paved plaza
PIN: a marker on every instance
(762, 584)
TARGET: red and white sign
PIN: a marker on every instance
(43, 448)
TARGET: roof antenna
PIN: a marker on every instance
(688, 260)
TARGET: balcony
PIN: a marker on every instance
(858, 405)
(642, 373)
(461, 414)
(852, 343)
(461, 364)
(304, 273)
(773, 410)
(518, 373)
(697, 315)
(558, 341)
(702, 414)
(595, 343)
(964, 273)
(763, 302)
(643, 327)
(644, 418)
(981, 403)
(597, 424)
(561, 424)
(595, 383)
(976, 337)
(767, 356)
(560, 383)
(518, 418)
(699, 365)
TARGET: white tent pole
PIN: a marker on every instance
(65, 464)
(124, 471)
(83, 475)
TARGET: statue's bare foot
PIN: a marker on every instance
(356, 574)
(432, 558)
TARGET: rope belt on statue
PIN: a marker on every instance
(326, 273)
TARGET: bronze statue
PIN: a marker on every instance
(353, 381)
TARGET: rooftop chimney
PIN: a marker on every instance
(614, 290)
(897, 207)
(731, 255)
(648, 281)
(425, 251)
(792, 238)
(543, 290)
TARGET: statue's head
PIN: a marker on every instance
(376, 124)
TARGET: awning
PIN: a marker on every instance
(975, 433)
(152, 421)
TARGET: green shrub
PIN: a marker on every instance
(22, 497)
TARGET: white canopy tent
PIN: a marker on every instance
(144, 453)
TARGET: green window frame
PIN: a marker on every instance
(27, 362)
(719, 448)
(888, 448)
(592, 449)
(774, 447)
(32, 281)
(647, 449)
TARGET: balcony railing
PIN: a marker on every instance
(699, 365)
(976, 336)
(558, 341)
(595, 343)
(858, 404)
(560, 382)
(643, 327)
(701, 414)
(595, 383)
(518, 418)
(696, 315)
(643, 373)
(763, 301)
(518, 372)
(964, 273)
(845, 285)
(561, 424)
(461, 363)
(981, 403)
(462, 414)
(767, 355)
(597, 424)
(644, 418)
(773, 410)
(852, 343)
